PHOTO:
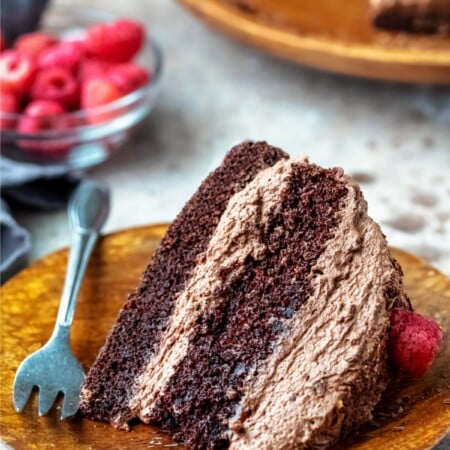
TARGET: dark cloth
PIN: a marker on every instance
(32, 186)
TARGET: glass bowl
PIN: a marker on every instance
(94, 134)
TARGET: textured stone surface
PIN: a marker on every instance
(394, 139)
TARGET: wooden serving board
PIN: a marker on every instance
(331, 35)
(29, 304)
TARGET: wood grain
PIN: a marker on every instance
(330, 35)
(28, 309)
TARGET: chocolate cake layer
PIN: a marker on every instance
(424, 16)
(136, 334)
(279, 338)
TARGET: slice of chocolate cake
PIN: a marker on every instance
(263, 320)
(425, 16)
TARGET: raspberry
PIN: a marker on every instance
(44, 115)
(98, 92)
(66, 55)
(91, 68)
(414, 342)
(117, 42)
(32, 44)
(128, 77)
(50, 115)
(16, 72)
(10, 104)
(56, 84)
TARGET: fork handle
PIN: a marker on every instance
(88, 210)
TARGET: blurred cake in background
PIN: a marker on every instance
(425, 16)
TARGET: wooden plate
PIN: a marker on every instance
(331, 35)
(28, 309)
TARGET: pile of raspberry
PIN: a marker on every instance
(42, 77)
(414, 342)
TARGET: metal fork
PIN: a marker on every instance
(53, 368)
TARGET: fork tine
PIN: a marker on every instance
(47, 397)
(21, 393)
(70, 404)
